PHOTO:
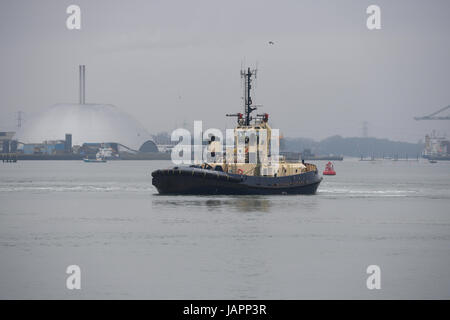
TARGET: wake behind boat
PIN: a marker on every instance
(240, 175)
(94, 160)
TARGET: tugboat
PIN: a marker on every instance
(329, 170)
(239, 176)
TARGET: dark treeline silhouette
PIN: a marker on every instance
(354, 147)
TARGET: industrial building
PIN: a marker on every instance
(48, 147)
(7, 144)
(88, 123)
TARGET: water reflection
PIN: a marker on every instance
(237, 203)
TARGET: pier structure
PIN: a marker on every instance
(394, 157)
(8, 157)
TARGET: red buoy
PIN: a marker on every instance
(329, 170)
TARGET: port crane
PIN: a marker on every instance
(433, 115)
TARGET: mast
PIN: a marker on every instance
(247, 75)
(82, 73)
(244, 119)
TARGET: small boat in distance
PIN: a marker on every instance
(99, 157)
(329, 170)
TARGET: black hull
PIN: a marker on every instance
(207, 182)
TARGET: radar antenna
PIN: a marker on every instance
(244, 119)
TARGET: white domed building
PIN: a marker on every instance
(88, 123)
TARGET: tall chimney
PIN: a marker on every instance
(82, 84)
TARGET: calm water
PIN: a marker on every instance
(132, 243)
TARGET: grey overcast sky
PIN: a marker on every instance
(166, 62)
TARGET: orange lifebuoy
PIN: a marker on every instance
(240, 171)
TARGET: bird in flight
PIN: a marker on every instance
(271, 42)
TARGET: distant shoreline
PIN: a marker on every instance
(139, 156)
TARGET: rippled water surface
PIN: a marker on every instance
(132, 243)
